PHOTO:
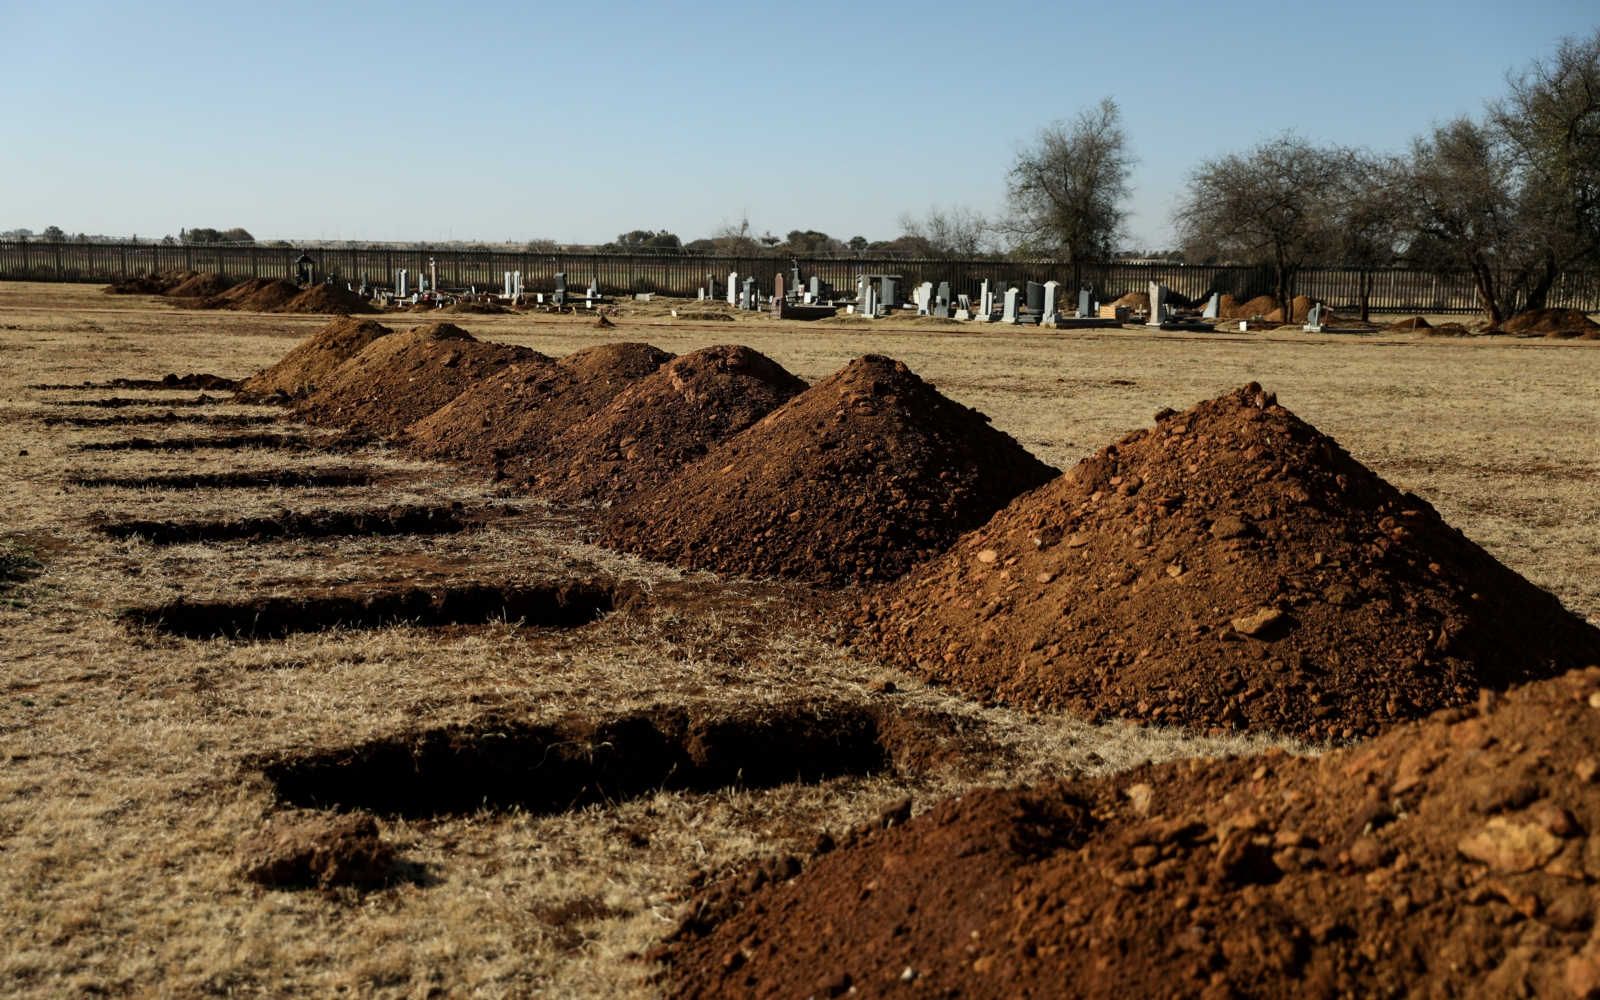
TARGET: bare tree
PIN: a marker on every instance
(1066, 189)
(1272, 204)
(737, 237)
(1365, 229)
(1463, 213)
(956, 233)
(1551, 122)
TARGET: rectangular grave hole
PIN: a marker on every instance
(576, 762)
(396, 520)
(234, 480)
(222, 442)
(561, 604)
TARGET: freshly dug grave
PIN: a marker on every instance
(1445, 859)
(169, 381)
(150, 284)
(522, 412)
(663, 421)
(313, 360)
(1261, 305)
(1413, 323)
(327, 299)
(1230, 567)
(857, 478)
(393, 520)
(401, 378)
(1553, 323)
(200, 286)
(477, 308)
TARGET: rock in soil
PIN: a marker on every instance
(313, 360)
(662, 422)
(304, 846)
(1388, 869)
(857, 478)
(399, 379)
(1231, 567)
(519, 414)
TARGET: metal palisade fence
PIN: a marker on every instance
(1390, 290)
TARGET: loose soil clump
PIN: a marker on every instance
(521, 413)
(1231, 567)
(313, 360)
(855, 479)
(1447, 858)
(663, 421)
(401, 378)
(1414, 323)
(304, 846)
(1552, 323)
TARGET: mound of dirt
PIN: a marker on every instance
(200, 286)
(1447, 858)
(150, 284)
(476, 309)
(327, 299)
(522, 412)
(855, 479)
(705, 315)
(314, 359)
(1134, 301)
(663, 421)
(255, 295)
(1301, 310)
(1231, 567)
(1414, 323)
(1227, 306)
(306, 846)
(1261, 305)
(1553, 323)
(1447, 330)
(399, 379)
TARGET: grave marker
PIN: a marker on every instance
(1010, 315)
(1158, 305)
(1049, 303)
(1035, 297)
(733, 288)
(1213, 308)
(1085, 306)
(964, 310)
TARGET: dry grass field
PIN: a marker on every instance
(133, 760)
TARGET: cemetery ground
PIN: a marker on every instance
(135, 760)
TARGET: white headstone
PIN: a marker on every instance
(1213, 308)
(1314, 319)
(1158, 305)
(402, 283)
(1084, 305)
(1051, 288)
(1010, 315)
(925, 299)
(964, 307)
(733, 288)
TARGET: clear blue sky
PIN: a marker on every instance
(578, 121)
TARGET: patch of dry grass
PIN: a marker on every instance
(124, 775)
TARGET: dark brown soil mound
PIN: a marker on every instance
(662, 422)
(1553, 323)
(200, 286)
(314, 359)
(1445, 859)
(327, 299)
(1447, 330)
(1227, 305)
(855, 479)
(521, 413)
(1230, 567)
(303, 846)
(399, 379)
(1414, 323)
(1301, 307)
(1134, 300)
(150, 284)
(253, 295)
(476, 309)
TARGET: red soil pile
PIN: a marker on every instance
(254, 295)
(855, 479)
(200, 286)
(1553, 323)
(1134, 300)
(314, 359)
(399, 379)
(1231, 567)
(1227, 306)
(150, 284)
(1301, 310)
(1261, 305)
(1414, 323)
(520, 413)
(1445, 859)
(326, 298)
(663, 421)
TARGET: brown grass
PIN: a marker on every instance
(123, 756)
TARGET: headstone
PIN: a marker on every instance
(1010, 315)
(560, 297)
(1314, 319)
(733, 288)
(816, 288)
(747, 298)
(702, 295)
(1213, 308)
(886, 298)
(1158, 305)
(1048, 306)
(941, 302)
(794, 276)
(777, 288)
(363, 283)
(869, 299)
(594, 289)
(402, 283)
(1035, 297)
(986, 303)
(1085, 307)
(507, 292)
(964, 312)
(925, 299)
